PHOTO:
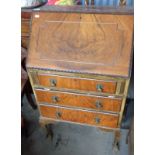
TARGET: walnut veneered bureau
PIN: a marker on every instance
(79, 64)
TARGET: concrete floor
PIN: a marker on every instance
(68, 139)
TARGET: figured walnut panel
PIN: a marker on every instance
(91, 118)
(77, 100)
(77, 83)
(86, 43)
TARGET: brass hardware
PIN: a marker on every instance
(99, 87)
(58, 114)
(97, 120)
(55, 98)
(99, 104)
(53, 82)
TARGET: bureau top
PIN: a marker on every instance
(83, 43)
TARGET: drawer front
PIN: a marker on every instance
(77, 83)
(77, 100)
(79, 116)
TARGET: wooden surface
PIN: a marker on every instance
(77, 83)
(78, 101)
(25, 28)
(84, 43)
(81, 47)
(25, 42)
(26, 14)
(79, 116)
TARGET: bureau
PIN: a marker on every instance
(79, 64)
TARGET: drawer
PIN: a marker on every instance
(78, 100)
(79, 116)
(77, 83)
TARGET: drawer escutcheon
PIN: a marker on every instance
(97, 120)
(55, 99)
(99, 104)
(58, 115)
(99, 87)
(53, 82)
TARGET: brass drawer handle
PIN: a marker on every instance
(58, 115)
(99, 87)
(99, 104)
(97, 120)
(53, 82)
(55, 98)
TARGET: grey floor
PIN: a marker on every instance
(68, 139)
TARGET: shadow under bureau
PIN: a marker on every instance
(79, 64)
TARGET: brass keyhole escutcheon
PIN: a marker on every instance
(53, 82)
(55, 99)
(58, 114)
(99, 87)
(99, 104)
(97, 120)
